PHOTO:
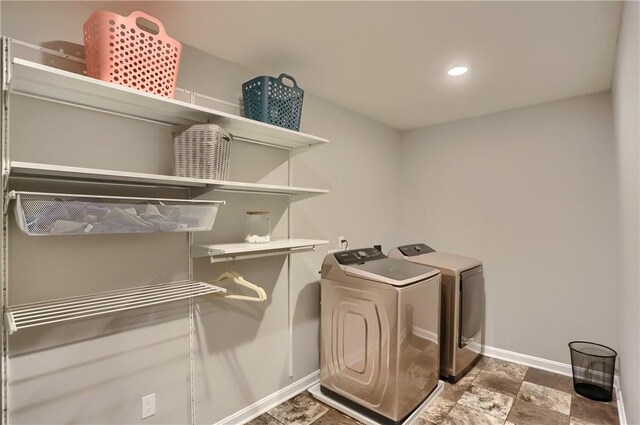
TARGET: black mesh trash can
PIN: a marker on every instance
(593, 369)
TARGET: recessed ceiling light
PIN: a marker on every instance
(456, 71)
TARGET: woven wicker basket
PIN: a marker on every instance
(201, 151)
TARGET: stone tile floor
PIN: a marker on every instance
(495, 392)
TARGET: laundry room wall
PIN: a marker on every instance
(626, 110)
(532, 193)
(96, 371)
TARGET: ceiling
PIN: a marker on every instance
(388, 60)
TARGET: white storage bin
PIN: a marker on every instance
(61, 214)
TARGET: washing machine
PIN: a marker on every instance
(380, 324)
(463, 302)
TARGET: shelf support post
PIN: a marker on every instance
(4, 239)
(290, 301)
(192, 332)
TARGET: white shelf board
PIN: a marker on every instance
(268, 188)
(64, 309)
(57, 85)
(62, 172)
(230, 251)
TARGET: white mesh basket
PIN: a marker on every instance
(59, 214)
(202, 151)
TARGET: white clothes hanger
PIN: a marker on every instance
(238, 279)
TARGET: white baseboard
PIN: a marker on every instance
(271, 401)
(618, 389)
(527, 360)
(550, 366)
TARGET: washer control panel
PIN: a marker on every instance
(415, 249)
(357, 256)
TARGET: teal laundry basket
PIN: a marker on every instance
(269, 100)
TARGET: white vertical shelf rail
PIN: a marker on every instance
(290, 301)
(4, 246)
(192, 329)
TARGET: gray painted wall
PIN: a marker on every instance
(532, 193)
(97, 370)
(626, 99)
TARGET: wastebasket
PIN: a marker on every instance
(593, 369)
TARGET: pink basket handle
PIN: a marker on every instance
(139, 14)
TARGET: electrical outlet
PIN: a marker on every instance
(343, 244)
(148, 405)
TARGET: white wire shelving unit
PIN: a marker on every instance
(21, 77)
(64, 309)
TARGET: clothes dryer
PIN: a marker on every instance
(463, 302)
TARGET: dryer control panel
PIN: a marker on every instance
(357, 256)
(415, 249)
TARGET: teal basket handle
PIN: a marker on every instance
(288, 77)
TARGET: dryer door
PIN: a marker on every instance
(471, 304)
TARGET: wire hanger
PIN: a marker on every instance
(238, 279)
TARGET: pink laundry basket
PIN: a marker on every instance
(128, 50)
